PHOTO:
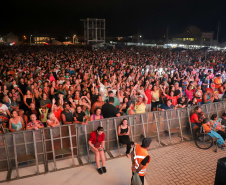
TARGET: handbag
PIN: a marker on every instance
(136, 179)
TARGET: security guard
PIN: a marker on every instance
(140, 158)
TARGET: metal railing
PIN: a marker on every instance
(51, 145)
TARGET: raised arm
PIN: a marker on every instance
(145, 97)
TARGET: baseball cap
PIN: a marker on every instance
(140, 96)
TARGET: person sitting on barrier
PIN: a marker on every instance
(140, 158)
(52, 121)
(97, 115)
(166, 106)
(81, 116)
(67, 116)
(208, 129)
(34, 123)
(195, 121)
(123, 135)
(97, 143)
(16, 123)
(216, 123)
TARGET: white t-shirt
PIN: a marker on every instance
(3, 109)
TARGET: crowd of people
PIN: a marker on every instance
(56, 85)
(49, 86)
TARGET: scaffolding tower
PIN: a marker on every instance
(94, 30)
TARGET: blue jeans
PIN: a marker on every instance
(220, 140)
(193, 124)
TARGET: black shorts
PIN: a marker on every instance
(154, 104)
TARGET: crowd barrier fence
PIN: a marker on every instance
(51, 145)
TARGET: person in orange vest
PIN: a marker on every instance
(140, 158)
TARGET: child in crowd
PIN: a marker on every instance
(201, 116)
(43, 115)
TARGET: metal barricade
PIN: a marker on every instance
(60, 142)
(4, 160)
(25, 149)
(50, 145)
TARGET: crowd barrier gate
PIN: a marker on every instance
(45, 148)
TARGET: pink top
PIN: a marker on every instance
(51, 78)
(189, 94)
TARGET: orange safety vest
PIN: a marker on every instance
(139, 154)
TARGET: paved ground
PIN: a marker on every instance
(183, 164)
(177, 164)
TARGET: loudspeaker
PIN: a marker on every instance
(220, 178)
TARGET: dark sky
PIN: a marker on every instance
(123, 17)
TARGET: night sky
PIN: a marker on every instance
(123, 17)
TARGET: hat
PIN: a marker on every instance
(140, 96)
(146, 142)
(109, 92)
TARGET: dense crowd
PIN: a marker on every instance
(49, 86)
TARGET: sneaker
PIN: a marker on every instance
(100, 171)
(104, 169)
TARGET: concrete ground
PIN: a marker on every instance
(118, 173)
(180, 164)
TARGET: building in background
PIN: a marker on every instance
(10, 39)
(193, 36)
(40, 39)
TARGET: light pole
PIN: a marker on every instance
(74, 36)
(30, 39)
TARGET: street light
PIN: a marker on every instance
(30, 39)
(74, 36)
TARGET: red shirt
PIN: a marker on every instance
(193, 117)
(58, 114)
(93, 137)
(174, 99)
(148, 94)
